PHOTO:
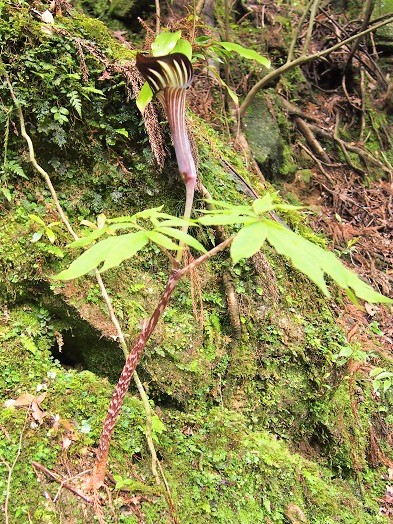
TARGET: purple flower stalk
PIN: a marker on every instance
(168, 77)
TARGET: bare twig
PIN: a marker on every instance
(312, 141)
(317, 161)
(343, 146)
(35, 164)
(368, 11)
(363, 102)
(60, 480)
(12, 467)
(302, 60)
(347, 146)
(314, 10)
(298, 31)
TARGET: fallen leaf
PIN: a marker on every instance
(66, 443)
(37, 413)
(24, 400)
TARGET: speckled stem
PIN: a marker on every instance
(97, 478)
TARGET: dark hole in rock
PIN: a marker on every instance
(83, 344)
(90, 345)
(85, 348)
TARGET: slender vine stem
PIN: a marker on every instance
(302, 60)
(104, 292)
(298, 31)
(368, 11)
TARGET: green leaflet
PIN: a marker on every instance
(85, 241)
(248, 241)
(183, 237)
(161, 240)
(145, 96)
(184, 47)
(250, 54)
(224, 220)
(112, 251)
(126, 247)
(165, 43)
(314, 261)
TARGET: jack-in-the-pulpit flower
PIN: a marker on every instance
(168, 77)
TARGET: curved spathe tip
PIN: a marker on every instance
(173, 70)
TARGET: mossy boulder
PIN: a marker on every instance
(266, 137)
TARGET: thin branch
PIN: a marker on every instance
(138, 383)
(310, 27)
(302, 60)
(101, 284)
(298, 31)
(317, 161)
(375, 69)
(368, 11)
(12, 467)
(35, 164)
(312, 141)
(60, 480)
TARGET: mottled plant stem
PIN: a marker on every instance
(116, 402)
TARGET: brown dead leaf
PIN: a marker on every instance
(24, 400)
(295, 515)
(38, 414)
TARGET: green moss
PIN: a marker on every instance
(95, 30)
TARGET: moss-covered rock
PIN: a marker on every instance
(266, 139)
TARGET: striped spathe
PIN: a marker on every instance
(165, 71)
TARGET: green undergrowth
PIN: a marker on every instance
(222, 467)
(256, 429)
